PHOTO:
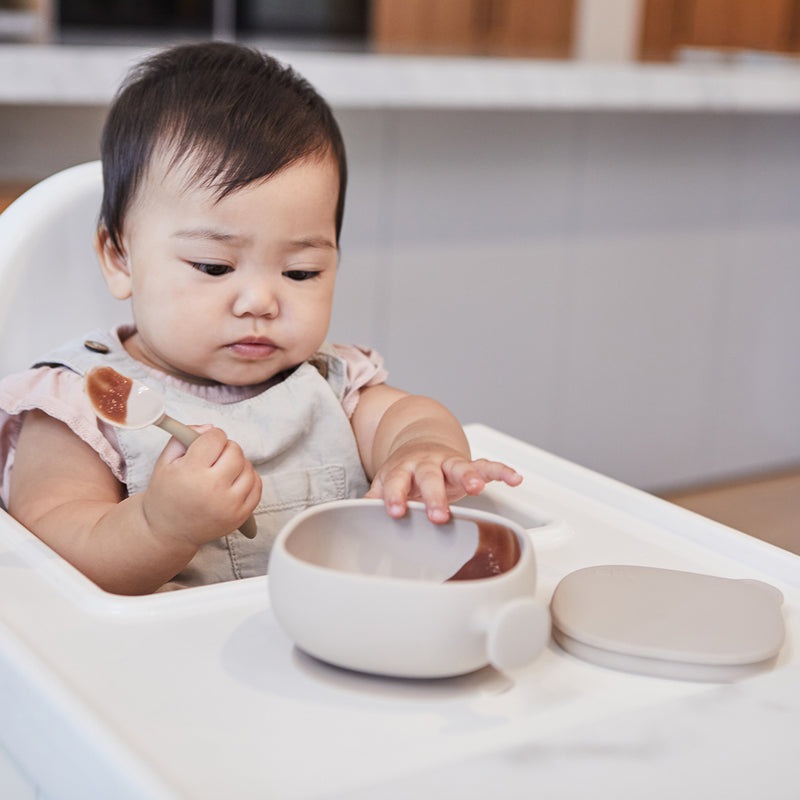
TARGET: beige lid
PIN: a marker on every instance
(623, 616)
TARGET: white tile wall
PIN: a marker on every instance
(36, 141)
(618, 288)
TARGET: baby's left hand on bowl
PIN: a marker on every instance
(437, 476)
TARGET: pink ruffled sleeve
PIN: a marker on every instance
(364, 368)
(59, 393)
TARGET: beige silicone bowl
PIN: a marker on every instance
(360, 590)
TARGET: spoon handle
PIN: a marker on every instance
(183, 433)
(186, 435)
(248, 528)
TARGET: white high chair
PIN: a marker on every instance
(51, 288)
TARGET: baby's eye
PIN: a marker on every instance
(301, 274)
(212, 269)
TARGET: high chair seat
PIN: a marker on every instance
(51, 288)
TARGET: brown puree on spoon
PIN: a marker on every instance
(498, 551)
(109, 392)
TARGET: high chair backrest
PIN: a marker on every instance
(51, 288)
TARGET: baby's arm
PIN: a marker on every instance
(413, 448)
(62, 491)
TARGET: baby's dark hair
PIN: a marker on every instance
(239, 114)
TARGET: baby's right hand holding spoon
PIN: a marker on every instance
(201, 493)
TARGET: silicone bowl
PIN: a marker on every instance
(358, 589)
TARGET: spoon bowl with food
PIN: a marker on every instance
(130, 404)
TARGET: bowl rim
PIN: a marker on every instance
(526, 546)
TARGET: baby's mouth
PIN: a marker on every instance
(253, 347)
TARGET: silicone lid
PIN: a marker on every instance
(667, 622)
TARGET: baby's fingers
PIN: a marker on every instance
(208, 447)
(394, 488)
(474, 475)
(463, 474)
(430, 481)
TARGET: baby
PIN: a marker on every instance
(224, 182)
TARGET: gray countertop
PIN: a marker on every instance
(89, 75)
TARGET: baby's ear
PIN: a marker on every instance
(113, 264)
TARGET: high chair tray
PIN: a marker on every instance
(199, 693)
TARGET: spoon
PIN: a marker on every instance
(127, 403)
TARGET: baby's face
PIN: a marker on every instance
(233, 290)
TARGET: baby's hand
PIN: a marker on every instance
(435, 474)
(203, 492)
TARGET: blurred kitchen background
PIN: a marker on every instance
(576, 221)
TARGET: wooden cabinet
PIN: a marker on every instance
(534, 28)
(767, 25)
(547, 28)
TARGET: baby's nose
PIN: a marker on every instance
(258, 299)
